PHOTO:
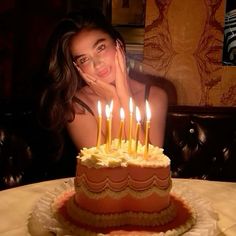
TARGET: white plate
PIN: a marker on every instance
(43, 223)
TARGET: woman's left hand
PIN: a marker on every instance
(122, 86)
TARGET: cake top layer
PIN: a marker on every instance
(100, 157)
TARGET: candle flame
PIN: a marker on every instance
(138, 115)
(148, 111)
(99, 108)
(111, 107)
(130, 105)
(122, 113)
(108, 111)
(130, 123)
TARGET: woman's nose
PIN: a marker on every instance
(97, 62)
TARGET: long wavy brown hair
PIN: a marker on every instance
(62, 79)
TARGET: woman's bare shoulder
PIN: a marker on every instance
(136, 86)
(86, 100)
(158, 92)
(139, 89)
(84, 93)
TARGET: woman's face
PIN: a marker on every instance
(94, 53)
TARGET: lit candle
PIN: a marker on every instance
(130, 124)
(111, 107)
(148, 117)
(122, 117)
(108, 128)
(110, 123)
(99, 124)
(138, 119)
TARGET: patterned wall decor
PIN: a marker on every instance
(183, 43)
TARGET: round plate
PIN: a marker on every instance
(43, 221)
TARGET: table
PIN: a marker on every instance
(16, 204)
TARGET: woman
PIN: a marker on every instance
(87, 64)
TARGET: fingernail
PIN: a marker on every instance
(90, 81)
(117, 44)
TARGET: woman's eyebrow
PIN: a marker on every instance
(94, 46)
(98, 41)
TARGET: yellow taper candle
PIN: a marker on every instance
(130, 124)
(122, 117)
(108, 128)
(99, 124)
(110, 123)
(148, 117)
(138, 119)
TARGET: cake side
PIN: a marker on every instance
(122, 189)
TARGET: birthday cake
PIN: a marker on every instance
(118, 192)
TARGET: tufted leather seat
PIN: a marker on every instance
(15, 149)
(29, 153)
(15, 158)
(201, 142)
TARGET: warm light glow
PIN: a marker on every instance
(130, 124)
(122, 117)
(130, 105)
(108, 128)
(138, 115)
(111, 107)
(99, 106)
(122, 113)
(148, 111)
(108, 112)
(138, 119)
(110, 123)
(148, 117)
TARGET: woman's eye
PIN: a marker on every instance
(101, 47)
(83, 60)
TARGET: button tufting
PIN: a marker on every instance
(191, 131)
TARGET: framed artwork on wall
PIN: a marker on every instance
(229, 49)
(128, 12)
(128, 17)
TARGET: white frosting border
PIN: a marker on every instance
(109, 191)
(42, 221)
(103, 221)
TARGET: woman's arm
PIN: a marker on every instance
(158, 101)
(82, 130)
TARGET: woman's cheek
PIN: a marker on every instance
(110, 53)
(87, 68)
(110, 56)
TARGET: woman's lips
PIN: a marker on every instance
(103, 73)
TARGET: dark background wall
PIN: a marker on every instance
(25, 27)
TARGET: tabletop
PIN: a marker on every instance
(16, 204)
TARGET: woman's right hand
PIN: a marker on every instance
(102, 89)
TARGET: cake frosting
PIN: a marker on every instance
(100, 158)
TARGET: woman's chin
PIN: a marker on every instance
(109, 81)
